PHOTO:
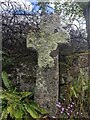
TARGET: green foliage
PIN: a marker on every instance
(6, 59)
(6, 81)
(77, 86)
(69, 10)
(18, 104)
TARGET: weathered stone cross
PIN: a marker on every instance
(46, 41)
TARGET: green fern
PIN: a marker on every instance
(18, 104)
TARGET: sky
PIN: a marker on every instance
(28, 3)
(32, 0)
(27, 6)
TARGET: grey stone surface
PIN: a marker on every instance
(47, 86)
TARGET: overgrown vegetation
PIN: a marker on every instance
(18, 105)
(75, 92)
(74, 96)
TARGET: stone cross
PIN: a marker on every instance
(46, 41)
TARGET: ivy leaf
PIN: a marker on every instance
(32, 111)
(2, 96)
(73, 92)
(4, 114)
(34, 105)
(25, 94)
(38, 108)
(6, 81)
(10, 110)
(18, 112)
(43, 111)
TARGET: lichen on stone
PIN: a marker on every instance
(45, 42)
